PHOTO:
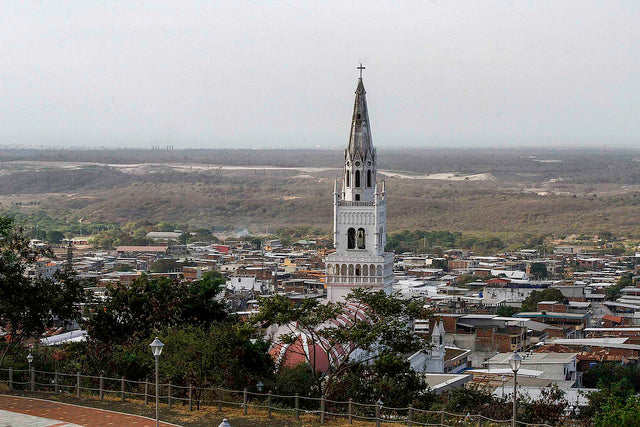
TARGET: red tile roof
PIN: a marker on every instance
(616, 319)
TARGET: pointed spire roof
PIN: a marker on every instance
(360, 141)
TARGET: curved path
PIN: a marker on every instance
(26, 411)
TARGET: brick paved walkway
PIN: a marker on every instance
(61, 414)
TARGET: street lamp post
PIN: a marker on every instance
(503, 379)
(30, 359)
(156, 349)
(515, 360)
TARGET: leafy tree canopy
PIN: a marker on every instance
(30, 304)
(538, 270)
(613, 292)
(153, 304)
(531, 302)
(383, 323)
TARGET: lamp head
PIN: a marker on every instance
(29, 357)
(515, 360)
(156, 347)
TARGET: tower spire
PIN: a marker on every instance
(360, 142)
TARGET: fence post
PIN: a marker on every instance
(219, 400)
(190, 397)
(269, 404)
(78, 384)
(55, 381)
(410, 416)
(350, 411)
(33, 379)
(479, 421)
(100, 390)
(297, 406)
(146, 392)
(122, 389)
(244, 401)
(322, 409)
(442, 418)
(169, 394)
(10, 378)
(378, 406)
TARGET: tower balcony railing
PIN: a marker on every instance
(354, 203)
(355, 279)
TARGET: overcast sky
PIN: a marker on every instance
(282, 74)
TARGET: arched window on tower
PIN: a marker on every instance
(361, 242)
(351, 238)
(347, 179)
(357, 179)
(369, 178)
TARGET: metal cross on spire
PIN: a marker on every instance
(361, 68)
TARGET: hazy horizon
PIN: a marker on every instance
(237, 74)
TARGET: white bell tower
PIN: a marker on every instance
(359, 215)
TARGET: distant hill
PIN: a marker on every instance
(557, 191)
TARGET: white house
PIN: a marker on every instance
(554, 366)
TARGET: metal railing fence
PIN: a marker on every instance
(198, 397)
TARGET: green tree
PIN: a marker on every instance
(166, 265)
(29, 305)
(607, 374)
(531, 302)
(538, 270)
(222, 354)
(477, 400)
(389, 378)
(54, 236)
(605, 235)
(609, 394)
(203, 235)
(381, 323)
(613, 292)
(506, 311)
(154, 304)
(618, 409)
(296, 379)
(548, 408)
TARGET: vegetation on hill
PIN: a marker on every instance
(539, 192)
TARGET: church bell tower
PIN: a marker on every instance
(359, 214)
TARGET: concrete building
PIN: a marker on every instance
(555, 366)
